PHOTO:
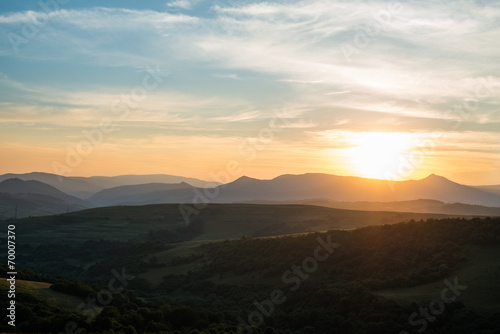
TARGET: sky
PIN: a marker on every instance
(224, 88)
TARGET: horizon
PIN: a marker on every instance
(371, 89)
(256, 178)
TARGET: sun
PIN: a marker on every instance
(380, 155)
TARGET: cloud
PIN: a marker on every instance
(227, 76)
(184, 4)
(403, 70)
(419, 67)
(245, 116)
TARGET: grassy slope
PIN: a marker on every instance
(42, 290)
(480, 274)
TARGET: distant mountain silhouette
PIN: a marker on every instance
(490, 189)
(34, 198)
(353, 189)
(74, 186)
(289, 188)
(17, 186)
(24, 205)
(150, 193)
(440, 194)
(84, 187)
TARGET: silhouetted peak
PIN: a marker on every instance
(433, 179)
(18, 181)
(245, 179)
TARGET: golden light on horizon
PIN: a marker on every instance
(382, 155)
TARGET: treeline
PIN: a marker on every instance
(126, 314)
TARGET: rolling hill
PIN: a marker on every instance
(367, 280)
(421, 205)
(166, 222)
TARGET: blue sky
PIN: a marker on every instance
(336, 71)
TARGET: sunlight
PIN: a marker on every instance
(380, 155)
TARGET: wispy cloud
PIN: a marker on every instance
(184, 4)
(420, 68)
(245, 116)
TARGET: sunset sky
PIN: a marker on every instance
(377, 89)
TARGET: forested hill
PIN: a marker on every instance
(319, 282)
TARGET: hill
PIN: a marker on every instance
(421, 205)
(166, 222)
(368, 280)
(478, 273)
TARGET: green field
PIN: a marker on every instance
(43, 291)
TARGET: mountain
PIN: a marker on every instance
(20, 198)
(129, 180)
(74, 186)
(442, 189)
(304, 188)
(84, 187)
(17, 186)
(373, 194)
(150, 193)
(353, 189)
(25, 205)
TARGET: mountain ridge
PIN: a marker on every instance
(288, 188)
(84, 187)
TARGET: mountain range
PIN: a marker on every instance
(43, 193)
(348, 188)
(84, 187)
